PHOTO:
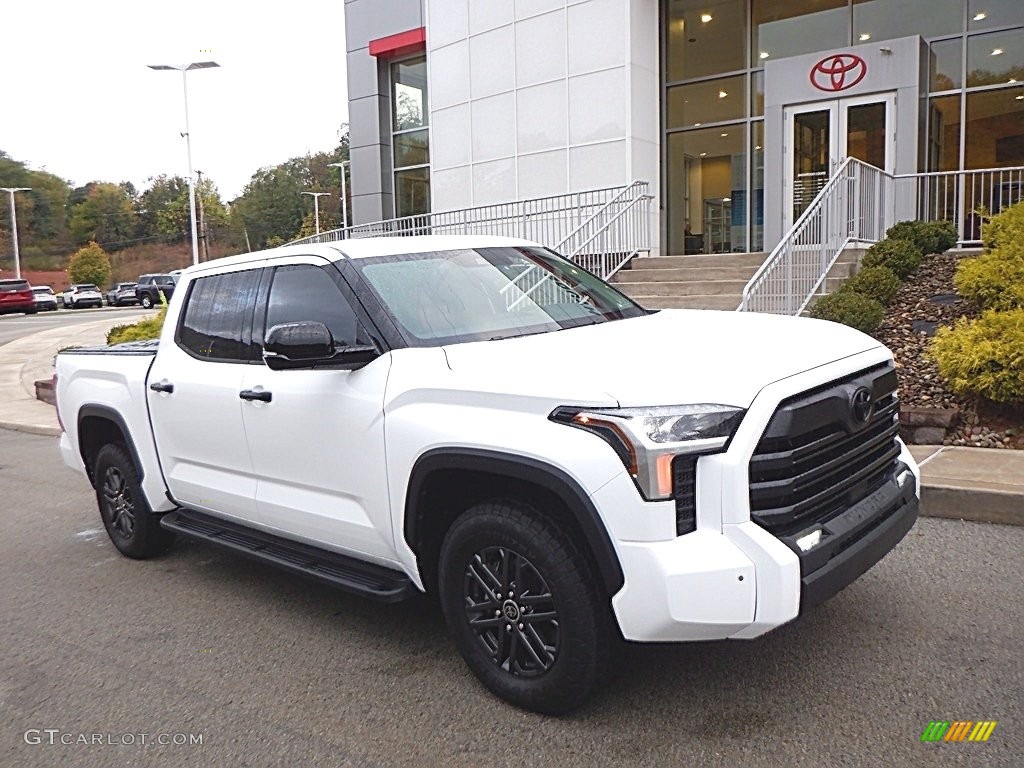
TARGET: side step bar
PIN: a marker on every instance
(346, 573)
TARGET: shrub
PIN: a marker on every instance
(878, 283)
(850, 308)
(900, 256)
(146, 329)
(1005, 230)
(994, 280)
(927, 236)
(89, 264)
(984, 356)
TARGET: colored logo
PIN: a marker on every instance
(838, 72)
(958, 730)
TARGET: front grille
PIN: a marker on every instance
(684, 490)
(816, 460)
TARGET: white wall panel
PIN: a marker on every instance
(543, 174)
(540, 49)
(598, 106)
(494, 127)
(488, 14)
(596, 35)
(494, 182)
(449, 75)
(542, 117)
(450, 136)
(598, 165)
(452, 188)
(490, 62)
(447, 21)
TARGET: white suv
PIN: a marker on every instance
(82, 295)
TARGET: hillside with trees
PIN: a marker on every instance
(148, 230)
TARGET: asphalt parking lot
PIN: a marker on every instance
(14, 326)
(272, 670)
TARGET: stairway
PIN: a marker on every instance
(705, 281)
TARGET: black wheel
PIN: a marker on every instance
(520, 601)
(147, 302)
(131, 525)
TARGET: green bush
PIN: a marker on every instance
(984, 356)
(927, 236)
(1005, 230)
(994, 280)
(144, 330)
(850, 308)
(89, 264)
(900, 256)
(878, 283)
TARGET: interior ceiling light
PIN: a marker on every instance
(697, 125)
(764, 54)
(726, 199)
(705, 18)
(722, 94)
(758, 146)
(724, 134)
(997, 51)
(703, 154)
(864, 36)
(1019, 98)
(980, 16)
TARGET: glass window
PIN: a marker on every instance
(757, 186)
(409, 84)
(489, 293)
(306, 293)
(707, 102)
(889, 19)
(217, 319)
(995, 129)
(983, 14)
(410, 139)
(706, 172)
(944, 65)
(704, 38)
(757, 94)
(790, 27)
(994, 58)
(944, 133)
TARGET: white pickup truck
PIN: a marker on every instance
(480, 418)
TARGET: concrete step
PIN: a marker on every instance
(725, 302)
(699, 260)
(677, 274)
(679, 288)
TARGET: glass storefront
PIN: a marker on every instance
(713, 56)
(410, 138)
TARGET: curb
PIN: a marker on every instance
(971, 504)
(31, 429)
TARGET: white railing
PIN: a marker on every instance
(854, 207)
(599, 229)
(960, 196)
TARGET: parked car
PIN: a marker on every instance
(45, 298)
(150, 287)
(479, 418)
(82, 295)
(122, 294)
(17, 296)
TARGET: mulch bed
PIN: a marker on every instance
(925, 301)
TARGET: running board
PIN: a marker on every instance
(339, 571)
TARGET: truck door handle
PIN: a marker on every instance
(162, 386)
(251, 394)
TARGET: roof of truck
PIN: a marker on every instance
(366, 247)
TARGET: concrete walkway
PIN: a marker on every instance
(978, 484)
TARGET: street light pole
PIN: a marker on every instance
(184, 68)
(316, 207)
(14, 227)
(344, 195)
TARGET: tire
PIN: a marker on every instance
(548, 665)
(147, 301)
(130, 523)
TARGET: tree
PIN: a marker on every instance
(105, 215)
(89, 265)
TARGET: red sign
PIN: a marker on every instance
(838, 72)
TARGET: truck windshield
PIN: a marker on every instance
(489, 293)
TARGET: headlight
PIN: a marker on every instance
(647, 439)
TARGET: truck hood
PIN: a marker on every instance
(667, 358)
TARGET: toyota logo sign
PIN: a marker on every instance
(838, 72)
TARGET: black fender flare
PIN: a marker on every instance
(512, 466)
(106, 412)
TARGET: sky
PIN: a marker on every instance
(79, 101)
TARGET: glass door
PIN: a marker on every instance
(821, 135)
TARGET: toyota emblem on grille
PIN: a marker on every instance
(838, 72)
(860, 405)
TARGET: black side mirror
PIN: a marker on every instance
(293, 345)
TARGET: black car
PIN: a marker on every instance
(150, 287)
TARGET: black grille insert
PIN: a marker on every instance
(815, 459)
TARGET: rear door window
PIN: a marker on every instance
(216, 324)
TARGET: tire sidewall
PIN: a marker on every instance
(148, 537)
(571, 677)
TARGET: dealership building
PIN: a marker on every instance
(735, 112)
